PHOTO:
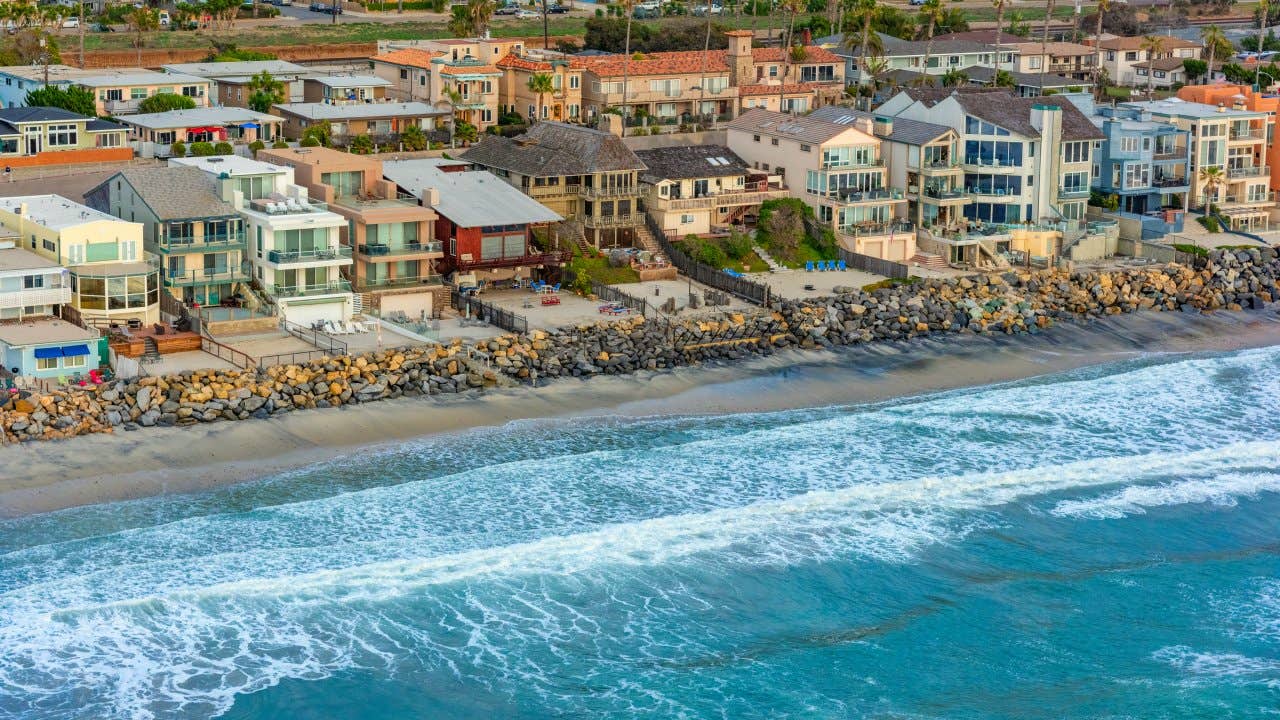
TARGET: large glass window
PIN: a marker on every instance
(992, 212)
(974, 126)
(1075, 152)
(255, 187)
(993, 152)
(63, 135)
(849, 156)
(991, 184)
(396, 235)
(1137, 175)
(344, 183)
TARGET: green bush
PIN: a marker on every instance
(255, 146)
(581, 283)
(1191, 249)
(178, 149)
(1210, 223)
(309, 141)
(361, 145)
(203, 149)
(279, 144)
(737, 245)
(165, 102)
(223, 148)
(709, 252)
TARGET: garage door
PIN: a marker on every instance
(306, 314)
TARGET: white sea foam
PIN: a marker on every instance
(1209, 667)
(1222, 490)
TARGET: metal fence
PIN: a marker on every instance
(608, 293)
(315, 337)
(230, 354)
(490, 313)
(873, 265)
(753, 292)
(294, 358)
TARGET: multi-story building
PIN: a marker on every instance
(344, 88)
(1073, 60)
(34, 341)
(1027, 84)
(113, 279)
(382, 121)
(587, 175)
(695, 189)
(152, 134)
(945, 55)
(1024, 159)
(31, 285)
(294, 242)
(391, 240)
(1242, 97)
(491, 231)
(230, 80)
(32, 136)
(198, 236)
(563, 104)
(1146, 164)
(121, 93)
(1122, 55)
(408, 70)
(1237, 144)
(836, 169)
(456, 72)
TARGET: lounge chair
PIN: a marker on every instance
(332, 328)
(831, 265)
(536, 285)
(556, 289)
(808, 266)
(842, 266)
(353, 329)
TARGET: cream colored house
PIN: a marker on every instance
(1067, 59)
(113, 279)
(121, 93)
(454, 72)
(1121, 55)
(700, 189)
(564, 103)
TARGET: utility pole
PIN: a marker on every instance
(81, 34)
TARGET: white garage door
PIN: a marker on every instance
(305, 315)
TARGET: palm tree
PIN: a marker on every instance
(455, 99)
(999, 6)
(142, 20)
(540, 84)
(1213, 38)
(931, 13)
(954, 78)
(479, 13)
(1263, 9)
(1213, 178)
(1154, 45)
(265, 91)
(1005, 79)
(792, 8)
(864, 12)
(629, 7)
(412, 138)
(1103, 7)
(1044, 44)
(876, 68)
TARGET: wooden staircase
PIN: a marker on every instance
(929, 260)
(646, 241)
(150, 351)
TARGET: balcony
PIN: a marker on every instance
(203, 276)
(975, 161)
(851, 196)
(940, 167)
(869, 229)
(613, 221)
(724, 199)
(1164, 155)
(175, 244)
(1249, 135)
(595, 193)
(980, 191)
(398, 282)
(944, 196)
(1251, 171)
(377, 250)
(541, 192)
(29, 297)
(290, 257)
(552, 258)
(330, 288)
(1073, 192)
(1170, 182)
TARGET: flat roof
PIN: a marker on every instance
(141, 77)
(197, 117)
(1183, 108)
(358, 111)
(233, 164)
(473, 198)
(41, 332)
(348, 81)
(214, 70)
(54, 211)
(16, 258)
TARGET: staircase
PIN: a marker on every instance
(773, 264)
(645, 241)
(929, 261)
(150, 351)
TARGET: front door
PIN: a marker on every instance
(33, 144)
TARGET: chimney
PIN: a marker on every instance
(883, 126)
(22, 210)
(431, 197)
(865, 125)
(1221, 108)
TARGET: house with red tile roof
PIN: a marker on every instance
(563, 103)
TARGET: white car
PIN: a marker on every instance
(650, 5)
(527, 14)
(71, 22)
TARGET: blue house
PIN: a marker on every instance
(49, 348)
(1147, 164)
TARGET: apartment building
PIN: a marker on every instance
(382, 121)
(1236, 143)
(121, 93)
(293, 242)
(31, 136)
(344, 88)
(1241, 97)
(1147, 165)
(198, 236)
(698, 189)
(391, 240)
(909, 55)
(1025, 160)
(408, 70)
(1072, 60)
(230, 80)
(113, 279)
(491, 231)
(459, 73)
(589, 176)
(1121, 57)
(563, 104)
(31, 285)
(836, 169)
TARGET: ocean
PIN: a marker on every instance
(1103, 543)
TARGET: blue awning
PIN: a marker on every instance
(249, 125)
(74, 350)
(46, 353)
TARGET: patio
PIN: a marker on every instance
(799, 284)
(572, 310)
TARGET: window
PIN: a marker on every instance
(755, 138)
(74, 361)
(670, 88)
(574, 81)
(974, 126)
(1075, 152)
(716, 84)
(994, 153)
(49, 245)
(1034, 62)
(1129, 144)
(686, 219)
(1137, 175)
(849, 156)
(1131, 56)
(62, 135)
(773, 71)
(110, 139)
(32, 281)
(113, 94)
(1075, 182)
(805, 148)
(192, 91)
(138, 93)
(404, 74)
(47, 363)
(774, 141)
(1111, 54)
(1161, 73)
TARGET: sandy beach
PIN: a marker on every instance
(41, 477)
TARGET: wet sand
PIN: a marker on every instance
(40, 477)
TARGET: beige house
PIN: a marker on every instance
(700, 189)
(449, 73)
(382, 121)
(1067, 59)
(836, 169)
(120, 94)
(564, 103)
(344, 88)
(113, 279)
(1121, 55)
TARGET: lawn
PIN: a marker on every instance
(598, 269)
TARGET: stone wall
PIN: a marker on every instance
(1009, 303)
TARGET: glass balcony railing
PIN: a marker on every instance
(383, 250)
(1073, 191)
(399, 282)
(181, 243)
(944, 193)
(284, 257)
(329, 288)
(205, 276)
(1248, 171)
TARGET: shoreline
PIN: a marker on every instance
(43, 477)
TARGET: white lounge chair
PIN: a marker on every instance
(360, 327)
(333, 328)
(350, 327)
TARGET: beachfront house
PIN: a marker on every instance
(391, 241)
(1242, 97)
(113, 278)
(700, 189)
(198, 236)
(293, 242)
(1147, 166)
(120, 93)
(34, 340)
(491, 231)
(32, 136)
(153, 134)
(836, 169)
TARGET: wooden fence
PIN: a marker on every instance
(874, 265)
(490, 313)
(608, 293)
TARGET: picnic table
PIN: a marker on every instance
(550, 299)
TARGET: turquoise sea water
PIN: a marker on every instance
(1101, 544)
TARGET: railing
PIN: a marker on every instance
(229, 354)
(588, 191)
(609, 221)
(547, 191)
(1247, 134)
(328, 288)
(490, 313)
(28, 297)
(380, 250)
(287, 207)
(608, 293)
(720, 200)
(939, 166)
(1175, 154)
(1239, 199)
(873, 265)
(748, 290)
(552, 258)
(1073, 191)
(846, 195)
(852, 165)
(400, 282)
(205, 277)
(293, 358)
(312, 335)
(941, 194)
(284, 257)
(207, 242)
(94, 271)
(1248, 172)
(878, 228)
(1166, 182)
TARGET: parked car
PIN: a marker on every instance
(650, 5)
(71, 22)
(702, 10)
(644, 13)
(101, 27)
(523, 14)
(557, 9)
(915, 2)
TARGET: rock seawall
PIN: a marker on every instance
(1010, 303)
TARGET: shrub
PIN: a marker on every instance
(165, 102)
(1209, 222)
(737, 245)
(361, 145)
(279, 144)
(581, 283)
(178, 149)
(202, 149)
(706, 251)
(223, 148)
(309, 141)
(255, 146)
(1191, 249)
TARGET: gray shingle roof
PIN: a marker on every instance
(176, 193)
(981, 74)
(910, 132)
(775, 124)
(552, 149)
(1014, 114)
(37, 114)
(680, 162)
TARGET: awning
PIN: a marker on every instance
(74, 350)
(204, 129)
(46, 353)
(249, 125)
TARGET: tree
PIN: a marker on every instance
(1213, 39)
(264, 92)
(321, 133)
(954, 78)
(1212, 178)
(1005, 79)
(1154, 46)
(465, 131)
(864, 13)
(999, 6)
(361, 145)
(164, 102)
(30, 47)
(76, 99)
(792, 8)
(930, 13)
(1194, 68)
(471, 19)
(1044, 44)
(141, 21)
(540, 84)
(412, 138)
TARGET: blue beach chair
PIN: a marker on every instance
(831, 266)
(808, 266)
(842, 266)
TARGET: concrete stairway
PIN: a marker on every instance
(150, 351)
(929, 260)
(645, 241)
(773, 264)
